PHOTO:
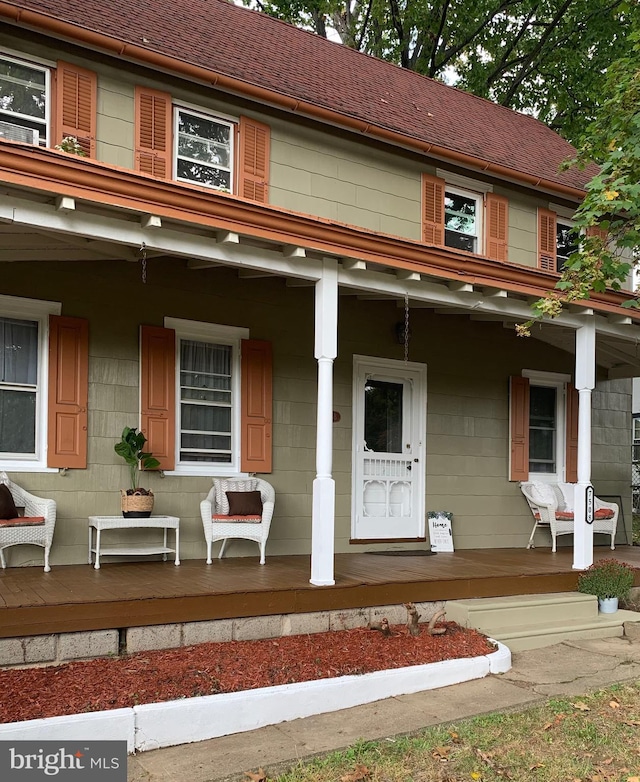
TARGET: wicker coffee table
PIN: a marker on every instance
(101, 523)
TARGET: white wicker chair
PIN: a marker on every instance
(552, 507)
(215, 505)
(38, 534)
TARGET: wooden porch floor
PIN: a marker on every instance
(72, 598)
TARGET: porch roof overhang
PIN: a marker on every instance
(55, 207)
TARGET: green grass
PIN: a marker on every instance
(594, 738)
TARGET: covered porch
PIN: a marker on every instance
(75, 598)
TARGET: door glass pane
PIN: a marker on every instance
(17, 421)
(542, 429)
(383, 416)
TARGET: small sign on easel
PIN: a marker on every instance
(440, 534)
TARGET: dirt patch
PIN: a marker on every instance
(207, 669)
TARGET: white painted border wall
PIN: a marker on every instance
(156, 725)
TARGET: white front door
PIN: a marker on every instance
(389, 407)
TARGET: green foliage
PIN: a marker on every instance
(607, 578)
(130, 449)
(609, 216)
(544, 58)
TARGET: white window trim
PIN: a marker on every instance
(209, 115)
(558, 381)
(226, 335)
(44, 65)
(636, 431)
(32, 309)
(479, 199)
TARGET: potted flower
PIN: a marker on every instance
(610, 580)
(137, 503)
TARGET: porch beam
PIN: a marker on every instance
(324, 489)
(585, 383)
(165, 241)
(293, 251)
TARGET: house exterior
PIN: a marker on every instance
(277, 256)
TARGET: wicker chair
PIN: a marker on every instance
(220, 525)
(552, 507)
(38, 530)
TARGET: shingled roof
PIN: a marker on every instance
(263, 52)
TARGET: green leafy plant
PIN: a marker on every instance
(607, 578)
(130, 448)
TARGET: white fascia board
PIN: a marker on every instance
(44, 217)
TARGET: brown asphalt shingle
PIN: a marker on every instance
(262, 51)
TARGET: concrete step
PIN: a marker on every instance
(533, 621)
(516, 610)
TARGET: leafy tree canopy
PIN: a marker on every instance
(609, 216)
(544, 57)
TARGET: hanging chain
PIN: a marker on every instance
(406, 328)
(143, 260)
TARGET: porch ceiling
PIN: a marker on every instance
(37, 228)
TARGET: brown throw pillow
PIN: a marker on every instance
(8, 508)
(244, 503)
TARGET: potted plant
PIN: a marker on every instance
(610, 580)
(137, 503)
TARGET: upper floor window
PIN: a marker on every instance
(566, 242)
(204, 149)
(556, 240)
(636, 431)
(24, 101)
(462, 219)
(454, 216)
(195, 146)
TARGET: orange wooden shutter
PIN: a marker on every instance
(68, 392)
(158, 393)
(153, 132)
(547, 240)
(571, 458)
(595, 230)
(76, 106)
(256, 426)
(432, 210)
(253, 160)
(519, 428)
(497, 227)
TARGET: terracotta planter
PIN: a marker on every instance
(136, 505)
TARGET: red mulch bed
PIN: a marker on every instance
(206, 669)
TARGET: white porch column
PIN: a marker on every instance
(324, 489)
(585, 383)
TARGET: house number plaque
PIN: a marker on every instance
(589, 503)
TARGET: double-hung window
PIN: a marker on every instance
(543, 427)
(23, 382)
(208, 394)
(25, 101)
(204, 151)
(462, 219)
(464, 214)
